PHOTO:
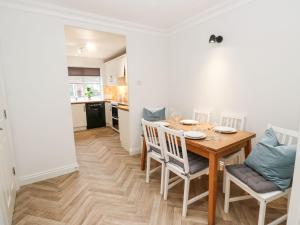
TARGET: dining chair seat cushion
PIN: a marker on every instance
(156, 150)
(251, 178)
(154, 115)
(274, 162)
(196, 163)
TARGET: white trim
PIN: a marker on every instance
(44, 175)
(208, 14)
(294, 207)
(78, 15)
(75, 129)
(135, 150)
(92, 18)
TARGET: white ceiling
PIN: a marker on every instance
(94, 44)
(162, 14)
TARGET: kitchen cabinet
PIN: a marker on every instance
(124, 128)
(108, 116)
(79, 116)
(114, 69)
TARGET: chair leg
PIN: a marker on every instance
(262, 213)
(185, 196)
(162, 178)
(288, 200)
(166, 181)
(242, 156)
(148, 169)
(227, 193)
(224, 177)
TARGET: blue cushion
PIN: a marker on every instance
(273, 161)
(152, 116)
(270, 138)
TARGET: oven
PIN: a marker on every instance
(115, 116)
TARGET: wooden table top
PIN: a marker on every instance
(221, 143)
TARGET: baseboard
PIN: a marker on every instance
(79, 128)
(44, 175)
(135, 151)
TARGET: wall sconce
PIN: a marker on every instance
(215, 39)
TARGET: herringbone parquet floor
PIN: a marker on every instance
(110, 189)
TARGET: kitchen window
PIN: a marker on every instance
(78, 86)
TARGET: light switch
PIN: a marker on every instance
(139, 83)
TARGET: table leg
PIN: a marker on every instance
(143, 155)
(248, 148)
(213, 182)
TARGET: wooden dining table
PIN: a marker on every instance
(214, 147)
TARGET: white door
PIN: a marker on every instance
(294, 207)
(7, 171)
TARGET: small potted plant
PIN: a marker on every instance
(89, 92)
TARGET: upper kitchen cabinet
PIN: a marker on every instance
(116, 71)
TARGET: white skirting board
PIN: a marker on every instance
(44, 175)
(135, 151)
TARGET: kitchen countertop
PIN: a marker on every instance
(83, 101)
(123, 107)
(120, 103)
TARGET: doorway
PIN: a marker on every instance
(7, 169)
(98, 80)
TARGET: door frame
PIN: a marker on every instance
(294, 207)
(7, 213)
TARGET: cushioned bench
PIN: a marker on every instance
(251, 178)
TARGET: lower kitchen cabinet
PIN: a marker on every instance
(79, 116)
(124, 128)
(108, 115)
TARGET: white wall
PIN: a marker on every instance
(254, 71)
(35, 73)
(147, 78)
(36, 79)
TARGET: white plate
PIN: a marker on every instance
(194, 135)
(226, 130)
(189, 122)
(163, 123)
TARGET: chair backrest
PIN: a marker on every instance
(150, 130)
(233, 120)
(202, 116)
(285, 136)
(174, 147)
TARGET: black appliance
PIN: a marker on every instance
(115, 116)
(95, 115)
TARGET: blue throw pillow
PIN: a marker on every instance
(270, 138)
(273, 161)
(153, 116)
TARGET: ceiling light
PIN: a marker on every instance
(90, 46)
(80, 50)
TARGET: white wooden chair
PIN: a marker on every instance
(153, 109)
(202, 116)
(236, 121)
(186, 165)
(284, 136)
(154, 150)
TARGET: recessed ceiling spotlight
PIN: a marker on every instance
(90, 46)
(80, 50)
